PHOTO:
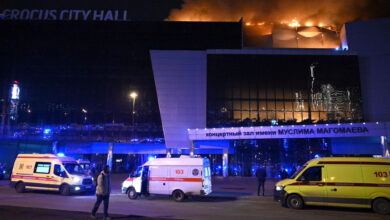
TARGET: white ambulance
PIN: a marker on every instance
(178, 177)
(49, 172)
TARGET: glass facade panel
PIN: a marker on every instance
(270, 105)
(263, 105)
(280, 105)
(253, 93)
(253, 106)
(279, 93)
(264, 90)
(280, 115)
(288, 106)
(245, 105)
(236, 105)
(254, 115)
(270, 91)
(263, 116)
(236, 93)
(271, 115)
(245, 115)
(244, 93)
(237, 115)
(288, 116)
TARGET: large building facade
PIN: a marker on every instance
(75, 78)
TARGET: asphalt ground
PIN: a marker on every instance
(233, 198)
(14, 212)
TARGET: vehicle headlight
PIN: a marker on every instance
(279, 188)
(76, 179)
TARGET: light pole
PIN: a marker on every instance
(133, 95)
(84, 111)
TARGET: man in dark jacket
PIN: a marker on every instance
(103, 190)
(261, 175)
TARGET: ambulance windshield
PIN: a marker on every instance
(74, 168)
(297, 172)
(137, 173)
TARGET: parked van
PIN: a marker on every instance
(49, 172)
(178, 177)
(344, 182)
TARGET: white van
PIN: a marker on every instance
(178, 177)
(49, 172)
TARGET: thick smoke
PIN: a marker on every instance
(326, 12)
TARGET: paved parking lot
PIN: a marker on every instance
(233, 198)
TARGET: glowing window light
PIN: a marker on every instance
(15, 91)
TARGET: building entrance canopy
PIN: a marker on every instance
(292, 131)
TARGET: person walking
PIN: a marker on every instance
(261, 175)
(103, 189)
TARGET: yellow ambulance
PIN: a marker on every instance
(338, 181)
(49, 172)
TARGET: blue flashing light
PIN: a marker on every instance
(60, 155)
(337, 49)
(151, 157)
(47, 131)
(317, 156)
(219, 167)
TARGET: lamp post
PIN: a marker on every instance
(84, 111)
(133, 95)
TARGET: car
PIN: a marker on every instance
(338, 181)
(177, 177)
(49, 172)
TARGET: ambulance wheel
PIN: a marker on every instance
(20, 187)
(178, 195)
(132, 194)
(65, 190)
(294, 202)
(381, 206)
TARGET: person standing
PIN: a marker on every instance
(103, 190)
(261, 175)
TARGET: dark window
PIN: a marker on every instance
(260, 89)
(59, 171)
(312, 174)
(42, 167)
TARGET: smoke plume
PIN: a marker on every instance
(324, 12)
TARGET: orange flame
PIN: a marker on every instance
(294, 23)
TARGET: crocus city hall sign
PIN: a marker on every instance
(291, 131)
(64, 14)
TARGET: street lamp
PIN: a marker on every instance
(133, 95)
(84, 111)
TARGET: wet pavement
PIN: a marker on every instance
(232, 198)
